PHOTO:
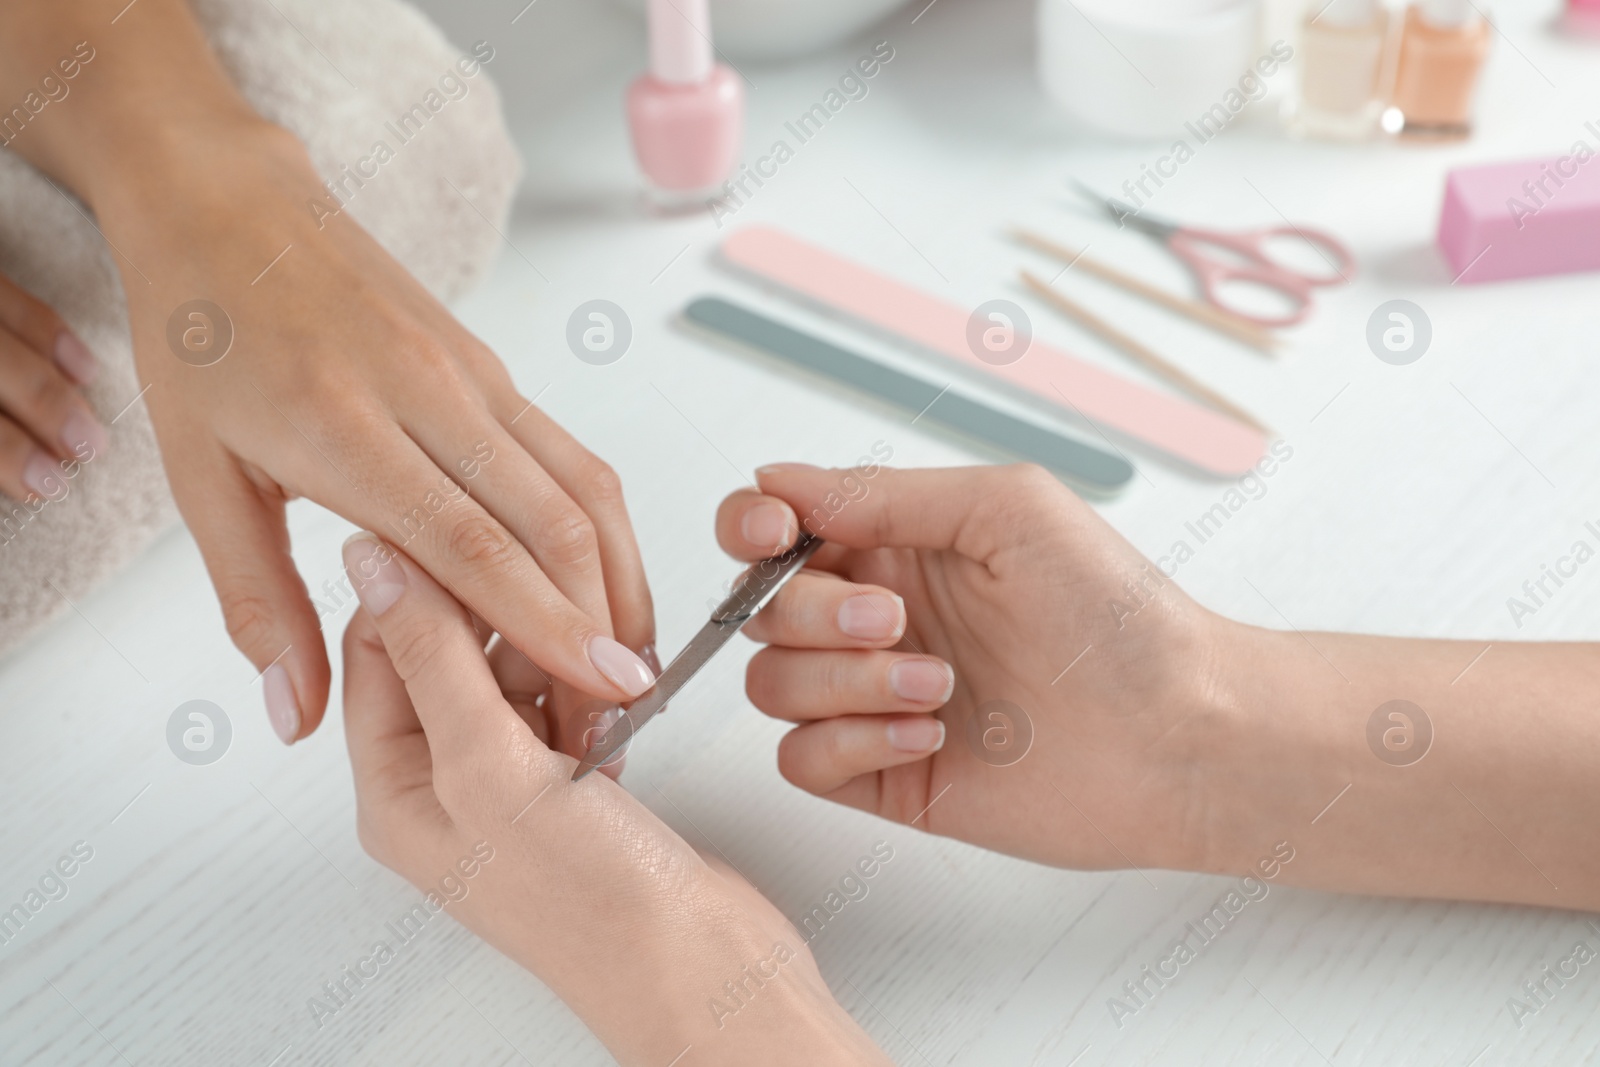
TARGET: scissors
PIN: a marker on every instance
(1220, 259)
(754, 589)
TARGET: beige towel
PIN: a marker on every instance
(337, 74)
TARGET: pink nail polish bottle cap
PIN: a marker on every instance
(680, 41)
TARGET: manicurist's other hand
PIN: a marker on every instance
(458, 791)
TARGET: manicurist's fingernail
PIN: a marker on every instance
(39, 474)
(613, 659)
(925, 681)
(766, 526)
(378, 577)
(872, 616)
(84, 437)
(915, 735)
(779, 468)
(74, 357)
(283, 707)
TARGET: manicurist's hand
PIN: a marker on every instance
(1095, 716)
(286, 354)
(997, 628)
(44, 419)
(459, 793)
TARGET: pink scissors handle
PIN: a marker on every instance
(1246, 261)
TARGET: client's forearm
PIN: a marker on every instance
(93, 87)
(1410, 767)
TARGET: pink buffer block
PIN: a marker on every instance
(1523, 219)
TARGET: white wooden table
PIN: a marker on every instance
(219, 898)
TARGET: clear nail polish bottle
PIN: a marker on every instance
(1342, 47)
(1443, 44)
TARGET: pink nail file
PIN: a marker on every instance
(1197, 435)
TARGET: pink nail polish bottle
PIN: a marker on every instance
(687, 111)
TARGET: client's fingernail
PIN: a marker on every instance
(779, 468)
(872, 616)
(39, 474)
(923, 680)
(613, 659)
(915, 735)
(74, 357)
(82, 436)
(767, 527)
(283, 707)
(378, 577)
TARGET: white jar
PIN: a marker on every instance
(1142, 68)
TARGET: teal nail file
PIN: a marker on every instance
(1074, 461)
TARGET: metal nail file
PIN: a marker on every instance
(754, 589)
(1088, 468)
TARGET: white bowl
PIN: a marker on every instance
(782, 29)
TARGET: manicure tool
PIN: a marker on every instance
(1187, 431)
(1140, 353)
(1219, 258)
(1090, 468)
(1225, 322)
(753, 591)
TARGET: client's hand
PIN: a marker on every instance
(350, 385)
(44, 420)
(284, 352)
(1072, 712)
(578, 882)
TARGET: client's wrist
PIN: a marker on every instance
(224, 167)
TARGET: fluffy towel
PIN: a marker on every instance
(335, 74)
